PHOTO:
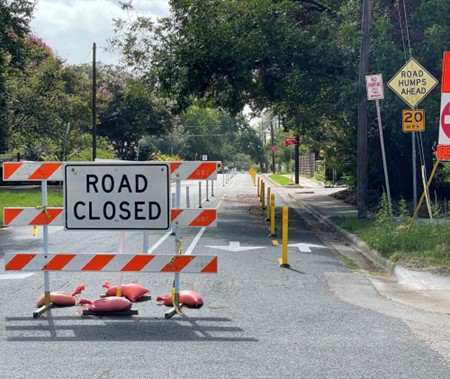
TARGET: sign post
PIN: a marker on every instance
(375, 91)
(412, 84)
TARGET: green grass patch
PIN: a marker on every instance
(29, 197)
(282, 180)
(423, 246)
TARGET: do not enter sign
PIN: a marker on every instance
(117, 196)
(444, 130)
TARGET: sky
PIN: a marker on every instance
(70, 27)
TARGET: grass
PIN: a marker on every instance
(30, 197)
(424, 246)
(282, 180)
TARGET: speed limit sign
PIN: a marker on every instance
(413, 120)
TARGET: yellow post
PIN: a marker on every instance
(272, 216)
(257, 189)
(263, 190)
(253, 175)
(268, 204)
(284, 249)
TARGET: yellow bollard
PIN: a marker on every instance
(272, 216)
(263, 190)
(268, 204)
(284, 249)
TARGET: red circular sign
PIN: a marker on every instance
(445, 120)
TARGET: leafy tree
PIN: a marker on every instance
(299, 58)
(46, 104)
(15, 17)
(130, 114)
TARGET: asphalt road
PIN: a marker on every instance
(317, 319)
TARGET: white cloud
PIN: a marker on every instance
(70, 27)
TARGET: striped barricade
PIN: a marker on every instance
(50, 216)
(54, 216)
(193, 170)
(32, 171)
(53, 171)
(194, 217)
(189, 264)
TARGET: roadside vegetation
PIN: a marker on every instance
(424, 245)
(281, 179)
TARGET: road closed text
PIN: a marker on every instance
(138, 210)
(128, 196)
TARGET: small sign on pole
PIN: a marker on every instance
(412, 83)
(290, 141)
(374, 87)
(413, 120)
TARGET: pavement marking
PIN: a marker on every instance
(236, 246)
(159, 242)
(305, 247)
(19, 275)
(195, 241)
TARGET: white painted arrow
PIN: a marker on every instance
(236, 246)
(305, 247)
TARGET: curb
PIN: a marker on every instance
(369, 253)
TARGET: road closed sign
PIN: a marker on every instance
(117, 196)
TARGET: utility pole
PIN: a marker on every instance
(361, 196)
(94, 104)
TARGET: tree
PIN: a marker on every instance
(299, 58)
(47, 102)
(15, 18)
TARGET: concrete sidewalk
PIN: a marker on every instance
(422, 290)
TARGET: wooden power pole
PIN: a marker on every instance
(362, 153)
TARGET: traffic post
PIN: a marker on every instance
(412, 83)
(375, 91)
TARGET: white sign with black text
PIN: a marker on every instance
(123, 196)
(374, 87)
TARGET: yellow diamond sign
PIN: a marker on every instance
(412, 83)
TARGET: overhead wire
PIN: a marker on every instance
(401, 28)
(419, 135)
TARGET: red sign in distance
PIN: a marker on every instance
(445, 82)
(290, 141)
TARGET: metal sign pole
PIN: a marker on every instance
(383, 153)
(45, 240)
